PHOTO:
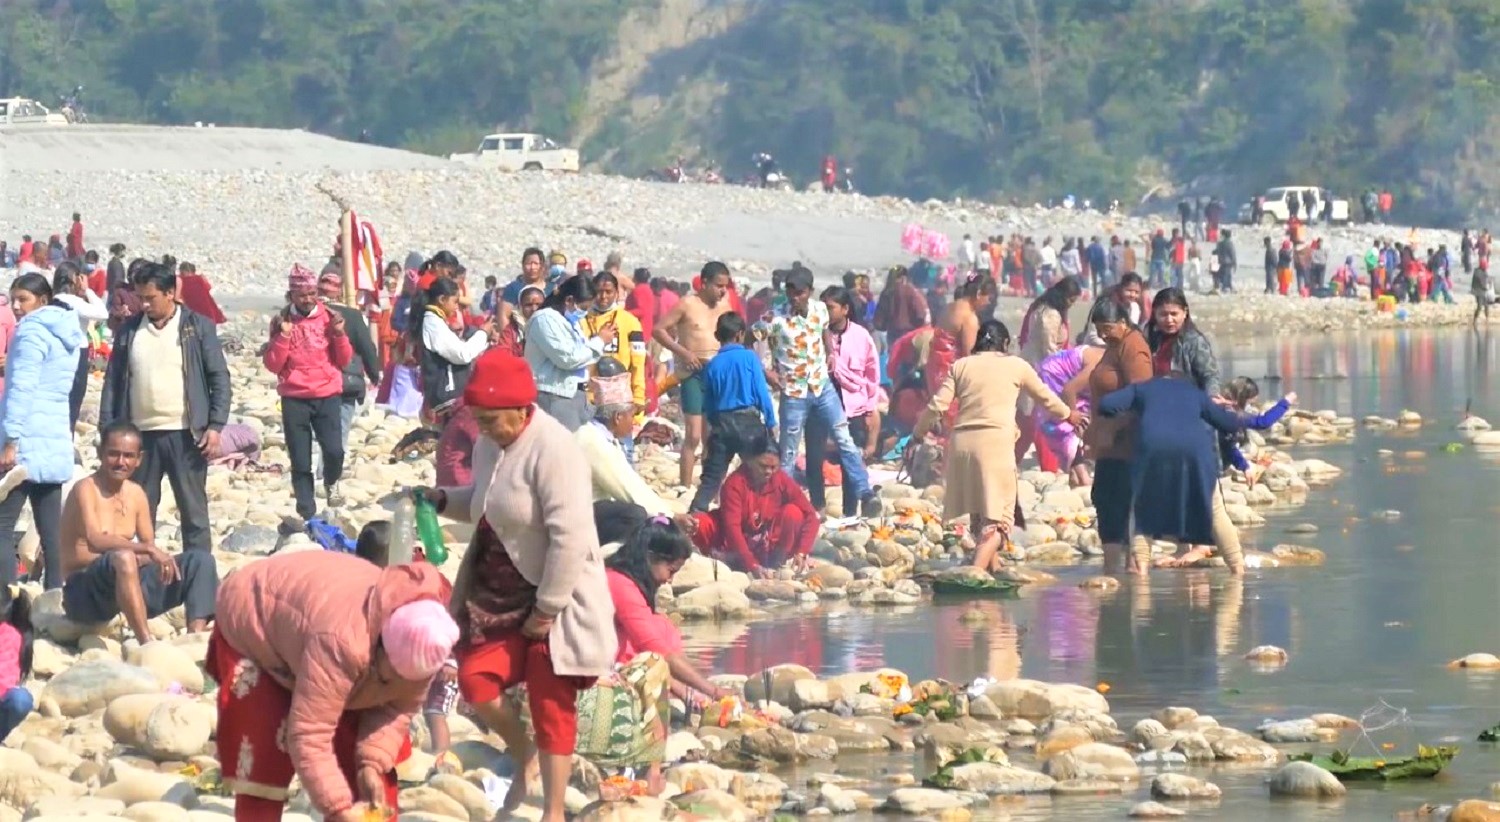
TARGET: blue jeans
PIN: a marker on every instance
(14, 707)
(1158, 273)
(829, 410)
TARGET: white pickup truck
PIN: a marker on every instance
(19, 111)
(521, 152)
(1274, 208)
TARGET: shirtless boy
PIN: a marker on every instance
(110, 559)
(687, 330)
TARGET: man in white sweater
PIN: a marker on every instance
(614, 477)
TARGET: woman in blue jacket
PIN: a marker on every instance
(39, 370)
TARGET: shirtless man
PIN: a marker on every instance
(963, 315)
(110, 559)
(687, 330)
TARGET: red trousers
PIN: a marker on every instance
(487, 670)
(253, 710)
(1046, 460)
(771, 547)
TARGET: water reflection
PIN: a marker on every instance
(1395, 600)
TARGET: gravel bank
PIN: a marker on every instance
(243, 204)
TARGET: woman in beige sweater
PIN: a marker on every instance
(980, 474)
(531, 594)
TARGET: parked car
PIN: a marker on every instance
(1274, 209)
(19, 111)
(521, 152)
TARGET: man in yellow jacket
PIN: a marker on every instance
(629, 348)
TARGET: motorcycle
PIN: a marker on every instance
(72, 106)
(670, 174)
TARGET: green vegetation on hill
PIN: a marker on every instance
(1023, 98)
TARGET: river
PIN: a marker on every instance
(1377, 623)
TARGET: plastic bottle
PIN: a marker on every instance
(430, 531)
(403, 531)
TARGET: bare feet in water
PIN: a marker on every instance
(1185, 560)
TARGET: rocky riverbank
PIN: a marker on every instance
(125, 730)
(244, 228)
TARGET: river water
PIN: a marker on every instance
(1394, 603)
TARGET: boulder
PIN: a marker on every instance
(431, 800)
(715, 600)
(133, 786)
(23, 782)
(1031, 699)
(1182, 786)
(922, 802)
(162, 726)
(1093, 760)
(1475, 810)
(781, 679)
(995, 779)
(1154, 810)
(170, 663)
(1305, 780)
(68, 807)
(1483, 661)
(155, 812)
(714, 804)
(91, 685)
(633, 809)
(48, 619)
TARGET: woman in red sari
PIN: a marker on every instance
(764, 519)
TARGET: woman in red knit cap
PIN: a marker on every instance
(530, 596)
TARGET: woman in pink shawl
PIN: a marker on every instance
(1044, 332)
(7, 331)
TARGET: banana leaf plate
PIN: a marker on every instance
(1428, 763)
(971, 588)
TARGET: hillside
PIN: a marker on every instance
(983, 98)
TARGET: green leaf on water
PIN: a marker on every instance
(1453, 448)
(1491, 734)
(1428, 762)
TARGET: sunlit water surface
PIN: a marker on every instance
(1393, 604)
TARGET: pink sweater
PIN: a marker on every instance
(10, 657)
(309, 360)
(311, 621)
(641, 630)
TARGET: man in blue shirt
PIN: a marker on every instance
(736, 403)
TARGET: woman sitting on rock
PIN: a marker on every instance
(764, 519)
(622, 721)
(530, 593)
(321, 660)
(1175, 473)
(980, 475)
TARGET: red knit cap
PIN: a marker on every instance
(500, 379)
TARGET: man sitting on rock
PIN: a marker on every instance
(110, 559)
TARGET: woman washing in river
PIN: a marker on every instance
(622, 721)
(980, 473)
(1067, 373)
(764, 519)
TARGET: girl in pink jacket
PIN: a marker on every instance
(321, 660)
(307, 353)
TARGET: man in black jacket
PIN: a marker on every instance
(1227, 262)
(1271, 267)
(167, 375)
(365, 364)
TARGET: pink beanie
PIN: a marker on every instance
(301, 280)
(419, 637)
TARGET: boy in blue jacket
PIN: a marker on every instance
(737, 405)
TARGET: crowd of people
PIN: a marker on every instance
(535, 388)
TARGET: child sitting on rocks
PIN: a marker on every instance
(374, 545)
(15, 660)
(1240, 392)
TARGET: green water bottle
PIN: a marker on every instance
(430, 532)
